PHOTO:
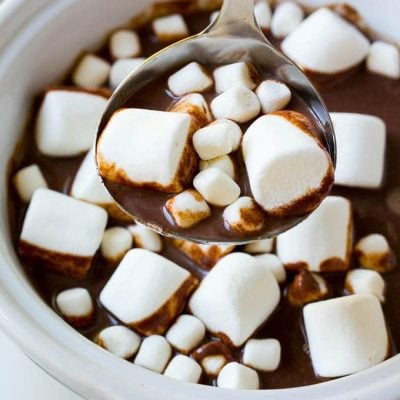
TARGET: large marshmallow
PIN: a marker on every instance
(332, 45)
(154, 353)
(361, 142)
(67, 122)
(307, 287)
(146, 238)
(121, 69)
(238, 74)
(27, 180)
(219, 138)
(216, 187)
(373, 252)
(323, 242)
(274, 264)
(224, 163)
(125, 44)
(147, 291)
(362, 281)
(239, 104)
(191, 78)
(237, 376)
(188, 208)
(260, 246)
(262, 12)
(235, 298)
(170, 28)
(273, 95)
(345, 334)
(61, 233)
(289, 171)
(184, 369)
(91, 72)
(147, 148)
(76, 306)
(262, 354)
(286, 18)
(384, 59)
(115, 244)
(244, 215)
(204, 255)
(119, 340)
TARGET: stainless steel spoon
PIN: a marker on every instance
(234, 36)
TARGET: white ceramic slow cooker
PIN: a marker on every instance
(39, 39)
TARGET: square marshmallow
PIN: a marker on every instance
(307, 287)
(121, 69)
(262, 12)
(184, 369)
(262, 354)
(27, 180)
(147, 148)
(146, 238)
(384, 59)
(323, 241)
(345, 334)
(147, 291)
(115, 244)
(237, 74)
(274, 264)
(363, 281)
(125, 44)
(170, 28)
(76, 306)
(286, 18)
(224, 163)
(154, 353)
(67, 122)
(237, 376)
(273, 95)
(61, 232)
(91, 72)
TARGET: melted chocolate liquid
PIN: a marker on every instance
(374, 211)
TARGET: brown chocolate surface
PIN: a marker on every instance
(374, 211)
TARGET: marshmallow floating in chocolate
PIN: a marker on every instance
(91, 72)
(307, 287)
(115, 244)
(154, 353)
(237, 376)
(61, 233)
(362, 281)
(125, 44)
(273, 95)
(224, 163)
(235, 298)
(76, 306)
(183, 368)
(262, 354)
(146, 238)
(122, 68)
(286, 18)
(333, 44)
(346, 334)
(260, 246)
(147, 291)
(27, 180)
(384, 59)
(170, 28)
(238, 74)
(274, 264)
(289, 171)
(262, 12)
(67, 121)
(361, 142)
(323, 242)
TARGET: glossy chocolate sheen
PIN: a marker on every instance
(374, 211)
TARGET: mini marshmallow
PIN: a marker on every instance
(212, 356)
(27, 180)
(362, 281)
(244, 215)
(115, 244)
(307, 287)
(119, 340)
(170, 28)
(384, 59)
(323, 241)
(197, 107)
(333, 44)
(204, 255)
(274, 264)
(76, 306)
(146, 238)
(188, 208)
(125, 44)
(219, 138)
(238, 376)
(67, 122)
(286, 19)
(186, 333)
(61, 233)
(360, 145)
(235, 298)
(147, 291)
(91, 72)
(191, 78)
(184, 369)
(238, 104)
(237, 74)
(216, 187)
(373, 252)
(154, 353)
(224, 163)
(262, 12)
(121, 69)
(260, 246)
(345, 334)
(262, 354)
(273, 95)
(289, 170)
(147, 148)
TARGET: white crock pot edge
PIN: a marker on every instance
(96, 374)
